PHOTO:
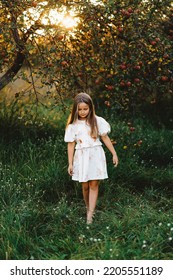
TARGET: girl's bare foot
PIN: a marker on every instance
(90, 215)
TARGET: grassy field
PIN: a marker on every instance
(42, 210)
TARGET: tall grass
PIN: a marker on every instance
(42, 210)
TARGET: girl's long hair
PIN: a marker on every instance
(91, 118)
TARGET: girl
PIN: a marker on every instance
(88, 163)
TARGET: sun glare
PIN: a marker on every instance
(61, 18)
(68, 20)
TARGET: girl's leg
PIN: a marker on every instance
(85, 191)
(93, 195)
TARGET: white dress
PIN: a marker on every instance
(89, 162)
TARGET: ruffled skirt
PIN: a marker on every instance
(89, 164)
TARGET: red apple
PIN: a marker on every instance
(60, 37)
(107, 103)
(153, 43)
(122, 84)
(123, 66)
(109, 87)
(137, 80)
(34, 4)
(130, 10)
(137, 11)
(125, 13)
(50, 64)
(164, 78)
(139, 142)
(64, 63)
(80, 74)
(137, 67)
(157, 39)
(132, 128)
(128, 84)
(120, 29)
(3, 54)
(98, 80)
(166, 56)
(109, 75)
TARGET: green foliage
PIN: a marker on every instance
(21, 117)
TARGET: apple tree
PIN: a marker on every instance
(119, 51)
(125, 52)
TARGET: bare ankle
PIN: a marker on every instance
(90, 214)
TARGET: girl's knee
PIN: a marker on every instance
(93, 184)
(85, 186)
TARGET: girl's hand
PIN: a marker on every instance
(70, 169)
(115, 160)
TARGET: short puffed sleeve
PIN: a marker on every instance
(103, 126)
(69, 133)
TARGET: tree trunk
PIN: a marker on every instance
(10, 74)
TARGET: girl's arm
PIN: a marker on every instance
(110, 147)
(70, 150)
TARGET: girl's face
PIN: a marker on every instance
(83, 110)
